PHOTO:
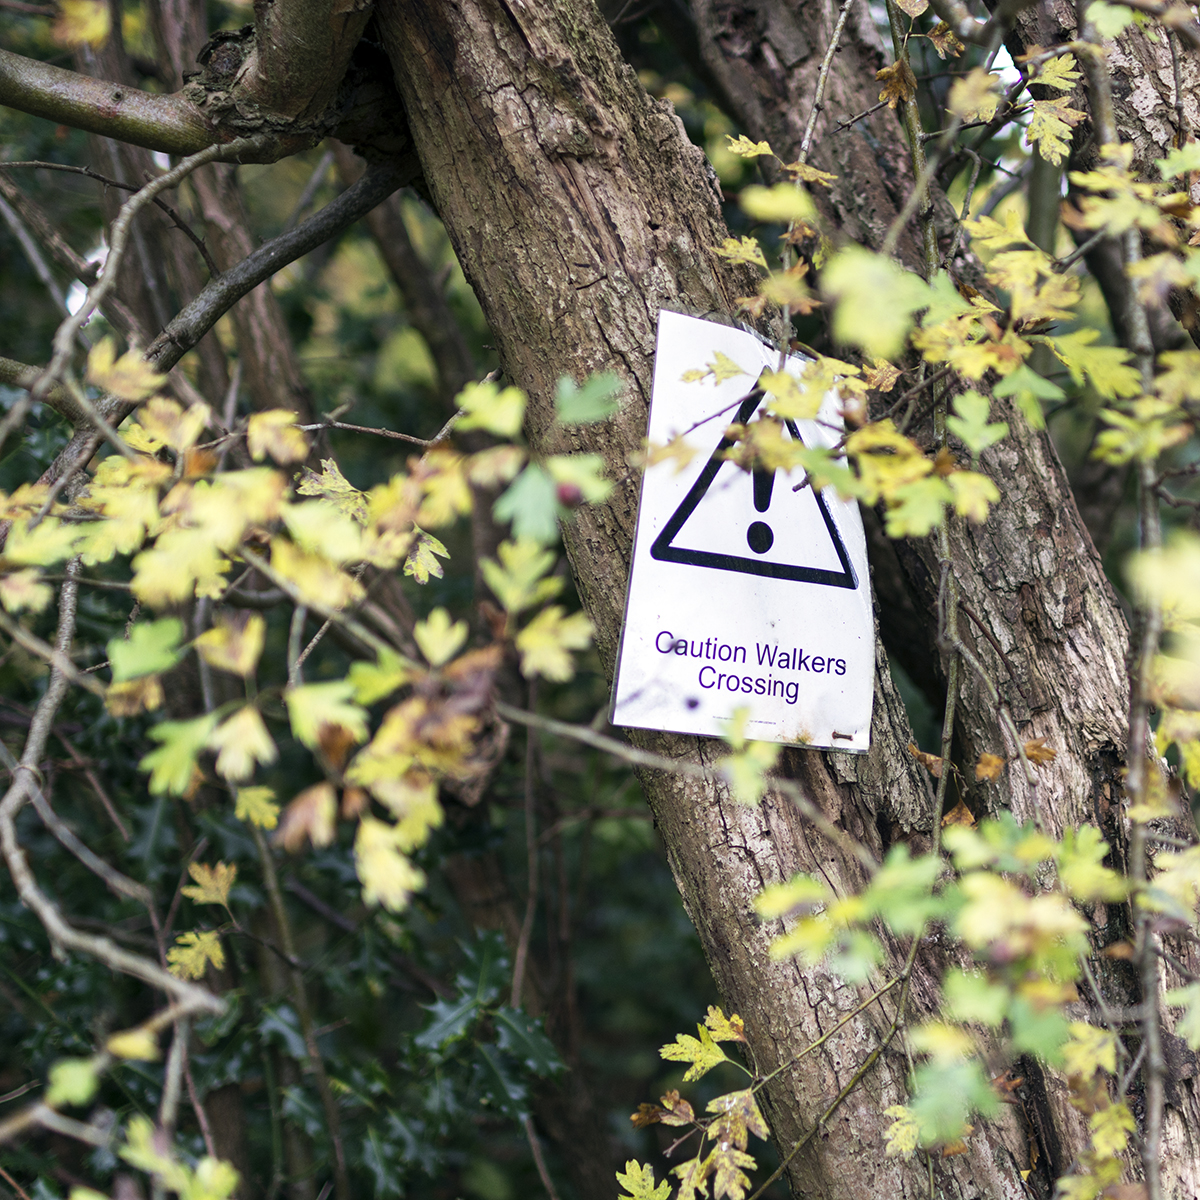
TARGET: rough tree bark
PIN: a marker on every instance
(578, 210)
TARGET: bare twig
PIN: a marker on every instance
(531, 854)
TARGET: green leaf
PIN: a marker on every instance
(438, 639)
(1180, 161)
(1110, 20)
(1188, 1025)
(517, 579)
(488, 406)
(1040, 1031)
(72, 1081)
(973, 999)
(946, 1094)
(580, 473)
(374, 680)
(173, 764)
(1027, 388)
(314, 705)
(917, 507)
(521, 1036)
(153, 646)
(1080, 868)
(861, 282)
(970, 422)
(596, 400)
(531, 504)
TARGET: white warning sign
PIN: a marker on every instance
(748, 590)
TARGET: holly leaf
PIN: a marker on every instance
(257, 805)
(192, 952)
(234, 643)
(702, 1053)
(438, 639)
(313, 706)
(241, 743)
(745, 148)
(212, 884)
(531, 504)
(546, 642)
(130, 377)
(276, 432)
(970, 422)
(152, 647)
(422, 562)
(173, 764)
(487, 406)
(899, 83)
(638, 1182)
(596, 400)
(313, 815)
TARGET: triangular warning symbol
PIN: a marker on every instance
(665, 550)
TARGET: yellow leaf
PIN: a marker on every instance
(192, 952)
(546, 641)
(313, 706)
(49, 541)
(422, 561)
(82, 22)
(1050, 125)
(783, 203)
(725, 1029)
(320, 528)
(494, 466)
(859, 281)
(241, 742)
(787, 399)
(899, 83)
(742, 250)
(743, 146)
(333, 486)
(518, 579)
(488, 406)
(133, 696)
(1038, 752)
(169, 425)
(138, 1044)
(809, 174)
(1059, 73)
(412, 800)
(945, 41)
(317, 580)
(212, 883)
(703, 1054)
(975, 97)
(914, 8)
(438, 639)
(973, 493)
(388, 876)
(23, 591)
(234, 643)
(180, 564)
(989, 766)
(446, 494)
(312, 814)
(256, 805)
(276, 432)
(130, 377)
(901, 1136)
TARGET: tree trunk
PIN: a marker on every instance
(578, 209)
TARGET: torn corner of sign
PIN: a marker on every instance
(748, 594)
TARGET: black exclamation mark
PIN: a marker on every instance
(759, 535)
